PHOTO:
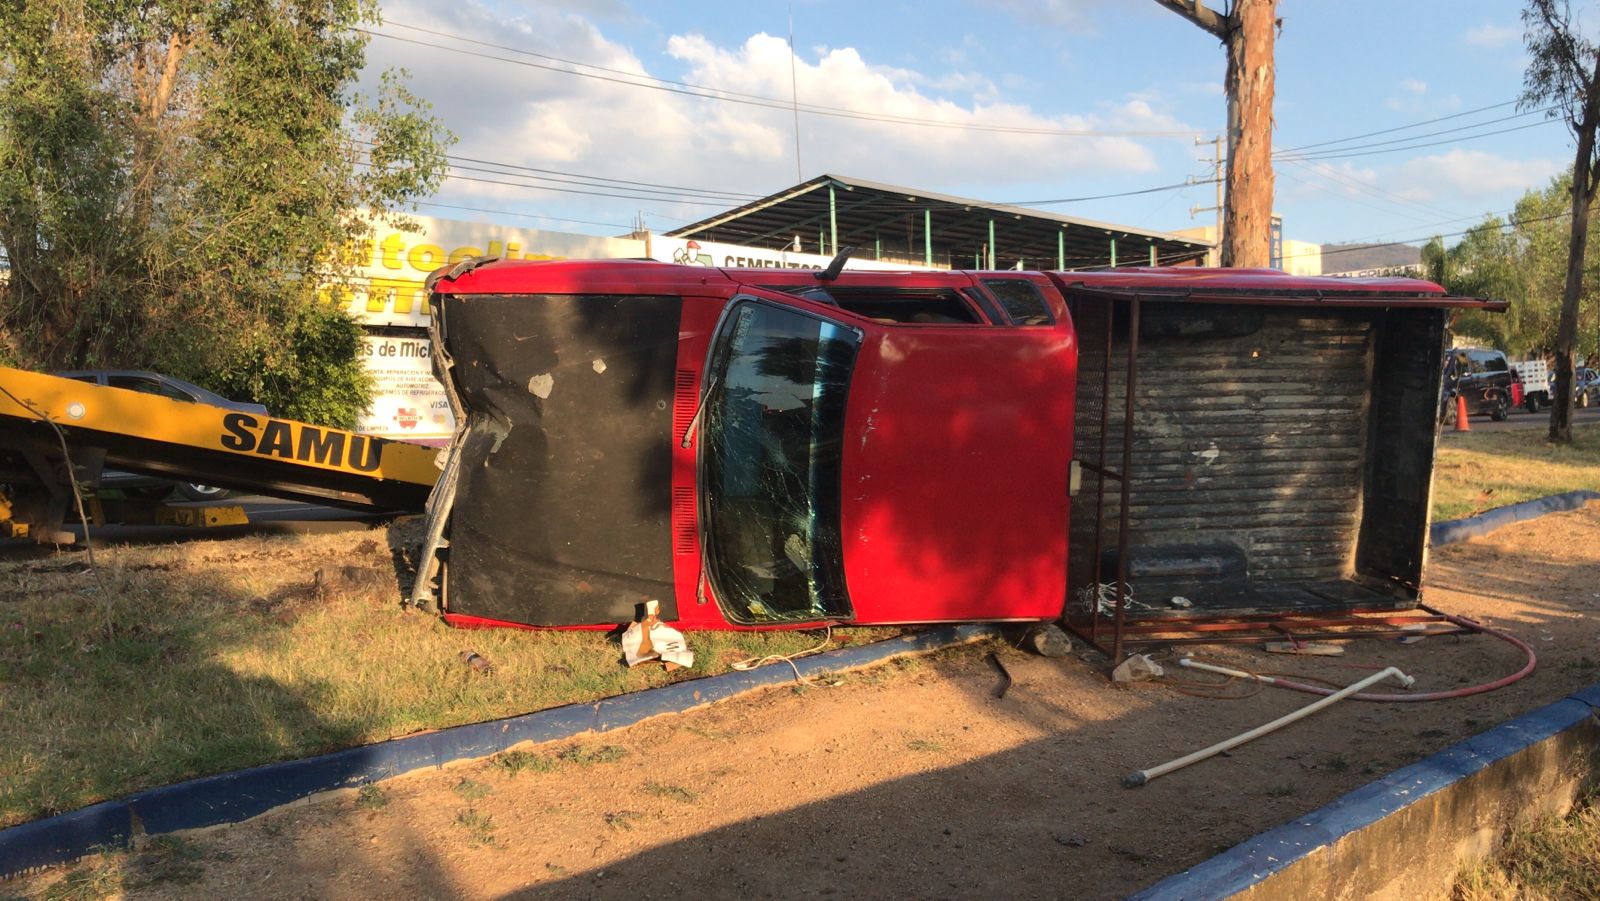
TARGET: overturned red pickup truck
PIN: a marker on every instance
(776, 449)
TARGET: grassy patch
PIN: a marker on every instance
(515, 763)
(371, 797)
(623, 820)
(471, 790)
(182, 660)
(1482, 470)
(584, 755)
(478, 827)
(1553, 859)
(673, 792)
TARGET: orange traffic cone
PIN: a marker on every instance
(1461, 414)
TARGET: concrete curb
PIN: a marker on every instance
(233, 797)
(1455, 530)
(1263, 866)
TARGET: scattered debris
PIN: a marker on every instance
(1181, 602)
(1305, 648)
(648, 639)
(478, 664)
(1005, 677)
(1049, 640)
(1138, 668)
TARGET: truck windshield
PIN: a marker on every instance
(773, 429)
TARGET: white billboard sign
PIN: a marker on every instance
(693, 252)
(407, 404)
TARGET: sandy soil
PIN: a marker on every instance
(911, 780)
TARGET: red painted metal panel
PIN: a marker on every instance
(958, 447)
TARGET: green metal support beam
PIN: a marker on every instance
(1113, 253)
(927, 237)
(833, 220)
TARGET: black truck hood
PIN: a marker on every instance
(562, 509)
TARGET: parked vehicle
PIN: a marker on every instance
(144, 487)
(1483, 377)
(1535, 376)
(1586, 387)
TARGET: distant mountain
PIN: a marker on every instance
(1339, 258)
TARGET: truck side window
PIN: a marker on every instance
(1023, 303)
(929, 306)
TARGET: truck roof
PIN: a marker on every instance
(1185, 283)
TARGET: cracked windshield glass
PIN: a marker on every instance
(771, 466)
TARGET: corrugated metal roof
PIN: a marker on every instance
(874, 217)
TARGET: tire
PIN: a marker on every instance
(1532, 403)
(147, 492)
(1502, 409)
(197, 492)
(1583, 399)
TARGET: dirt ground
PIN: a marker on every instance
(911, 780)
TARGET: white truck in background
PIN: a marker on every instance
(1535, 378)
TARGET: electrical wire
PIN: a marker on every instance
(1304, 683)
(1385, 131)
(750, 663)
(1488, 134)
(650, 82)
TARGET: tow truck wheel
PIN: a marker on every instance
(197, 492)
(1502, 409)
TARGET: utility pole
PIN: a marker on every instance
(1247, 31)
(1214, 258)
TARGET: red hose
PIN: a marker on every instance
(1502, 682)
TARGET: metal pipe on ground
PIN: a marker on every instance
(1141, 777)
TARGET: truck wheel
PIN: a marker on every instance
(1583, 399)
(1502, 409)
(1532, 403)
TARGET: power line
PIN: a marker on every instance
(1446, 131)
(1327, 173)
(1489, 134)
(479, 209)
(565, 177)
(704, 92)
(1385, 131)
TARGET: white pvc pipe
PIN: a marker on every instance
(1135, 779)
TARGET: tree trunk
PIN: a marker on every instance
(1583, 188)
(1248, 33)
(1247, 209)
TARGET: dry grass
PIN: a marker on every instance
(1482, 470)
(1557, 859)
(176, 661)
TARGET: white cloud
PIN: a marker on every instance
(1470, 174)
(1414, 86)
(1075, 14)
(534, 117)
(1493, 37)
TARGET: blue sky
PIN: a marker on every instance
(1133, 82)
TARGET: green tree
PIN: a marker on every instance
(1564, 76)
(176, 177)
(1520, 259)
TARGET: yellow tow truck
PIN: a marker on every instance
(57, 435)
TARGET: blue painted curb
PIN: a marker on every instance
(1252, 861)
(1455, 530)
(233, 797)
